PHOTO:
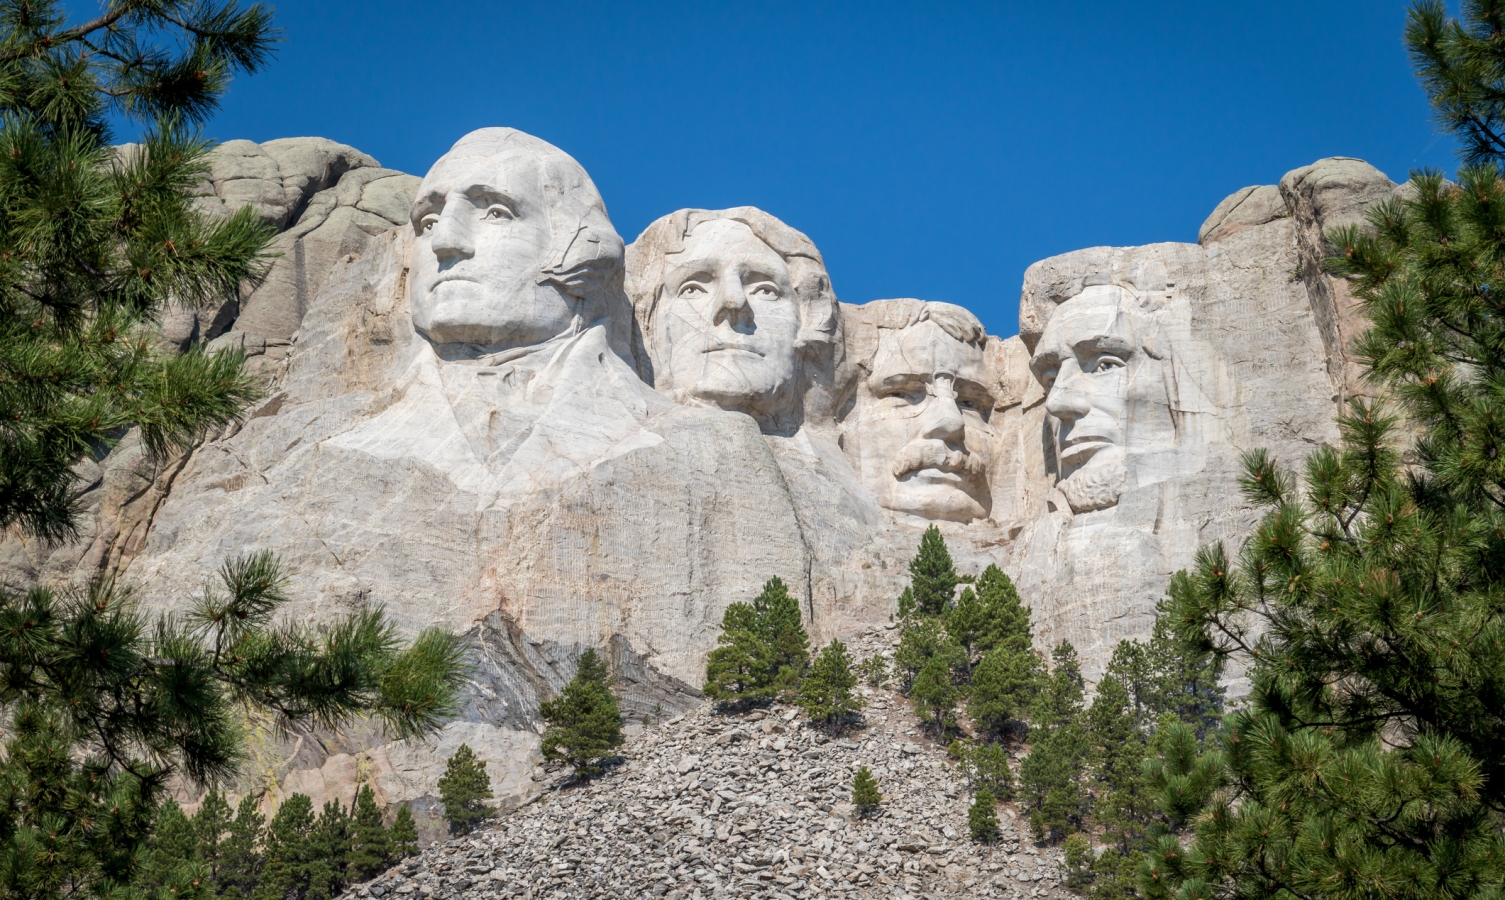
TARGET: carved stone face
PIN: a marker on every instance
(483, 230)
(729, 319)
(921, 425)
(1083, 361)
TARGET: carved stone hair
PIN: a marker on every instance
(585, 255)
(820, 320)
(956, 321)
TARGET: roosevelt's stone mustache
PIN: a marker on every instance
(918, 455)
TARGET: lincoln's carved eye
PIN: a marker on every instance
(1105, 362)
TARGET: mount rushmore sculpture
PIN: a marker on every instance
(485, 411)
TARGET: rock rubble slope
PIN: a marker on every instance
(711, 805)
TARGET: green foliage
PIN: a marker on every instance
(331, 841)
(464, 789)
(935, 696)
(105, 708)
(94, 245)
(920, 641)
(1116, 750)
(371, 848)
(1167, 675)
(404, 832)
(1366, 606)
(210, 824)
(240, 853)
(990, 616)
(987, 766)
(290, 860)
(1462, 69)
(762, 651)
(826, 693)
(171, 854)
(865, 796)
(982, 817)
(1004, 685)
(584, 722)
(932, 576)
(1050, 787)
(874, 670)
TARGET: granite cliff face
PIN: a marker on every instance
(484, 410)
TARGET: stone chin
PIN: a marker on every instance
(1098, 483)
(935, 496)
(465, 312)
(734, 380)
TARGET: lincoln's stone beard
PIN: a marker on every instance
(920, 424)
(1084, 361)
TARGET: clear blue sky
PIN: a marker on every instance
(931, 150)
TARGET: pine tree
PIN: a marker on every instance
(935, 696)
(241, 860)
(1116, 751)
(105, 707)
(1365, 606)
(371, 848)
(93, 245)
(1004, 685)
(209, 825)
(762, 651)
(330, 841)
(1167, 675)
(788, 647)
(865, 796)
(290, 857)
(584, 722)
(982, 817)
(987, 767)
(404, 833)
(932, 575)
(826, 693)
(874, 670)
(464, 789)
(172, 864)
(1050, 776)
(990, 615)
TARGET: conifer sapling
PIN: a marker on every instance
(865, 796)
(464, 789)
(585, 724)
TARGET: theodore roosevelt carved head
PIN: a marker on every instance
(513, 246)
(734, 307)
(919, 432)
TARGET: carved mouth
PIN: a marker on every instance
(731, 348)
(1082, 446)
(934, 475)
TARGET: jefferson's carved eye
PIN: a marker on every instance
(1105, 362)
(692, 289)
(763, 290)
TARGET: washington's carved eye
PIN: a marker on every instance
(428, 222)
(498, 212)
(1104, 363)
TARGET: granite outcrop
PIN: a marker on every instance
(486, 410)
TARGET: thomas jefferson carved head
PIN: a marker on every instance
(513, 246)
(919, 427)
(734, 306)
